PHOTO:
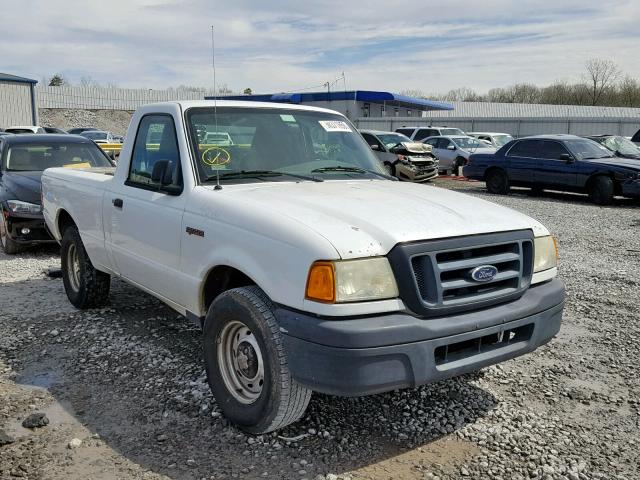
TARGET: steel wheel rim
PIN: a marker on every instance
(73, 267)
(240, 362)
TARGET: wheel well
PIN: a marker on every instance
(219, 280)
(492, 169)
(64, 221)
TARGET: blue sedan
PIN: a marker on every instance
(557, 162)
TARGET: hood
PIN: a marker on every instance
(629, 163)
(369, 217)
(414, 147)
(25, 186)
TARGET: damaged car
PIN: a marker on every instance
(404, 159)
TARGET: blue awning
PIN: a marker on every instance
(387, 98)
(5, 77)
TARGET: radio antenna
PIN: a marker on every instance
(215, 100)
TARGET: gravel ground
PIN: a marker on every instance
(124, 392)
(115, 121)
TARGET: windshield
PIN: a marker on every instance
(451, 131)
(390, 140)
(587, 149)
(621, 145)
(269, 144)
(94, 135)
(37, 157)
(467, 143)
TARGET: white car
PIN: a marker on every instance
(496, 140)
(17, 129)
(453, 151)
(307, 267)
(419, 133)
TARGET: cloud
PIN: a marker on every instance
(282, 45)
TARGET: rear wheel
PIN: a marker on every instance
(8, 245)
(601, 190)
(85, 286)
(497, 181)
(246, 363)
(457, 164)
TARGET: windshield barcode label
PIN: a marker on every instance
(334, 126)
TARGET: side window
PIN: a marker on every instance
(552, 150)
(422, 134)
(405, 131)
(155, 141)
(431, 141)
(525, 148)
(443, 143)
(371, 140)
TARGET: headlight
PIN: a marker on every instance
(351, 281)
(17, 206)
(546, 253)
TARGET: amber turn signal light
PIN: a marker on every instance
(321, 283)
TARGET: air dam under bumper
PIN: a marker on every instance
(362, 356)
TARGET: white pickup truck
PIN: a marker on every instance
(306, 266)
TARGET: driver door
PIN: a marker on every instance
(143, 222)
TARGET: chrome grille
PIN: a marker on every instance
(440, 271)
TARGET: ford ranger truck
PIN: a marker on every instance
(308, 268)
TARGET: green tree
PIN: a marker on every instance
(57, 80)
(247, 91)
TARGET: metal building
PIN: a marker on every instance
(17, 101)
(521, 120)
(353, 103)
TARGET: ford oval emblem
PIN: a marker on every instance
(484, 273)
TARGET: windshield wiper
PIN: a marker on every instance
(260, 173)
(340, 168)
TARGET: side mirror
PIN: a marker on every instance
(162, 172)
(451, 147)
(566, 157)
(374, 147)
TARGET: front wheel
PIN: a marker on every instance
(497, 182)
(6, 242)
(246, 363)
(601, 191)
(85, 286)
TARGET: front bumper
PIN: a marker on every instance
(38, 232)
(631, 188)
(362, 356)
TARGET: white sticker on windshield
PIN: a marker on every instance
(288, 118)
(334, 126)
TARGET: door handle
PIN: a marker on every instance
(117, 202)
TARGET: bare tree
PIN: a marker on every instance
(88, 81)
(601, 75)
(413, 93)
(629, 92)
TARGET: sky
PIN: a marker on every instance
(288, 45)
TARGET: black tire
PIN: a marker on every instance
(86, 287)
(457, 163)
(497, 182)
(601, 190)
(279, 400)
(8, 245)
